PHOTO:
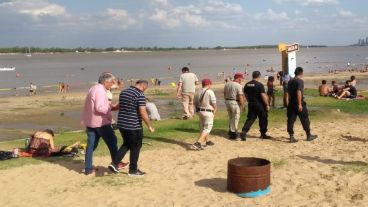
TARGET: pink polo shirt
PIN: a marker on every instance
(97, 110)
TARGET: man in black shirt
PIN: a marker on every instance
(257, 106)
(297, 106)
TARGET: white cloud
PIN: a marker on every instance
(36, 8)
(162, 17)
(219, 6)
(271, 15)
(119, 18)
(345, 14)
(204, 14)
(162, 2)
(309, 2)
(178, 16)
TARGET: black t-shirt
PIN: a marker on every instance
(353, 91)
(253, 90)
(293, 86)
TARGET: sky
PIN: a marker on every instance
(174, 23)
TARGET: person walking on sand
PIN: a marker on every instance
(234, 100)
(297, 106)
(185, 91)
(258, 106)
(132, 110)
(96, 117)
(205, 102)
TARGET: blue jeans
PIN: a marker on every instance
(93, 137)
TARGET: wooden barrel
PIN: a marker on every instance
(249, 176)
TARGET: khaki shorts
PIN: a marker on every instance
(205, 121)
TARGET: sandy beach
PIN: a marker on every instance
(330, 171)
(320, 173)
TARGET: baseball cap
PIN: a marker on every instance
(206, 82)
(238, 75)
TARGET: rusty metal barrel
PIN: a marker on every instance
(249, 176)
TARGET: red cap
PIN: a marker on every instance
(206, 82)
(238, 75)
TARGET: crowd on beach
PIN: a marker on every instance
(134, 109)
(347, 91)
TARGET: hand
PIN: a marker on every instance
(151, 129)
(114, 107)
(178, 95)
(300, 108)
(267, 108)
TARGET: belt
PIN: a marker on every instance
(200, 109)
(229, 99)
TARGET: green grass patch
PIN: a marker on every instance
(356, 167)
(176, 132)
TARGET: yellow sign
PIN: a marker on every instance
(282, 47)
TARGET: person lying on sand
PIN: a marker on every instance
(42, 144)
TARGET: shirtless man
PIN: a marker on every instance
(324, 89)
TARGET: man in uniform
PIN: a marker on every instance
(205, 102)
(258, 106)
(234, 100)
(297, 106)
(186, 90)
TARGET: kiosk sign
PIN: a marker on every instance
(292, 48)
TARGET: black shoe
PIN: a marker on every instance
(197, 146)
(243, 136)
(137, 173)
(113, 168)
(292, 139)
(233, 135)
(265, 136)
(311, 137)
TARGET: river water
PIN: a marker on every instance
(79, 69)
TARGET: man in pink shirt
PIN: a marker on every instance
(97, 118)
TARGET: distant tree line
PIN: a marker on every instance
(120, 49)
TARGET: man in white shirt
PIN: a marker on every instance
(185, 91)
(205, 102)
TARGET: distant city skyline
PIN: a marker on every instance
(174, 23)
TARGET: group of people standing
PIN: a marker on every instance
(235, 95)
(132, 111)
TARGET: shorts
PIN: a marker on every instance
(205, 121)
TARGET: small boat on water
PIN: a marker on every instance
(7, 69)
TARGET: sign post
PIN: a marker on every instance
(288, 57)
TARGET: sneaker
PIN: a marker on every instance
(137, 173)
(265, 136)
(311, 137)
(122, 165)
(210, 143)
(113, 168)
(243, 136)
(185, 117)
(197, 146)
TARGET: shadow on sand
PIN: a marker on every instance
(353, 139)
(169, 141)
(331, 161)
(216, 184)
(75, 164)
